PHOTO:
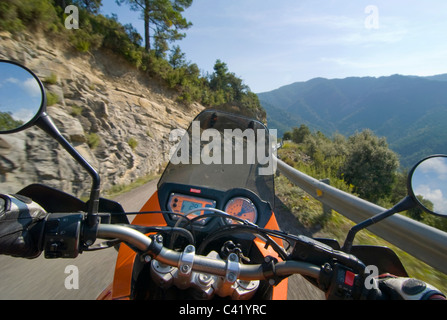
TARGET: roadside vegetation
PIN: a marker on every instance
(362, 165)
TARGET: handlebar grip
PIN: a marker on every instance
(398, 288)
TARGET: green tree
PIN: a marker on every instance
(218, 80)
(222, 80)
(418, 213)
(7, 122)
(92, 6)
(177, 58)
(133, 35)
(162, 17)
(370, 166)
(299, 134)
(230, 90)
(287, 135)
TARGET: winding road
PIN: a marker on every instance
(42, 279)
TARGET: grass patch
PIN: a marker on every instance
(120, 189)
(76, 111)
(52, 99)
(51, 79)
(93, 140)
(133, 143)
(308, 211)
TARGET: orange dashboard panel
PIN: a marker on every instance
(183, 204)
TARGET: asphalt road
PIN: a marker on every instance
(42, 279)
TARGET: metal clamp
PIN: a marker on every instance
(233, 268)
(186, 261)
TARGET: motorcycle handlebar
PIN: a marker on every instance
(201, 263)
(64, 233)
(332, 279)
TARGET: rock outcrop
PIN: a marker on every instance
(116, 117)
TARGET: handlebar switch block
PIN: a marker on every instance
(62, 233)
(341, 282)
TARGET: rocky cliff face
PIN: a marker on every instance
(114, 115)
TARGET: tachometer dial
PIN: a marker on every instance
(242, 208)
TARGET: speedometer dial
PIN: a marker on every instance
(242, 208)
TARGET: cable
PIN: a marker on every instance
(231, 229)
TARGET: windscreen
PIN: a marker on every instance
(223, 151)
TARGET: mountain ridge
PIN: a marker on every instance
(408, 110)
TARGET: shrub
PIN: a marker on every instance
(9, 19)
(370, 166)
(93, 140)
(76, 111)
(15, 15)
(52, 99)
(85, 39)
(51, 79)
(133, 143)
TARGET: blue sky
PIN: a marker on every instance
(274, 43)
(20, 92)
(429, 180)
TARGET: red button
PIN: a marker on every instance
(349, 278)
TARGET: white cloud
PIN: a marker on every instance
(24, 114)
(437, 166)
(12, 80)
(436, 196)
(32, 87)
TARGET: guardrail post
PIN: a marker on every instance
(327, 210)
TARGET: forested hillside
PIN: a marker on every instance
(410, 112)
(153, 53)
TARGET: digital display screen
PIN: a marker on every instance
(183, 204)
(190, 205)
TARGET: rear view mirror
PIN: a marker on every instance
(22, 97)
(427, 188)
(428, 184)
(23, 104)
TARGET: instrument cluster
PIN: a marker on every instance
(238, 206)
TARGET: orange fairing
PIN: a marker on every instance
(150, 219)
(124, 265)
(280, 291)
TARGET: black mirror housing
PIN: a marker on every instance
(23, 97)
(427, 184)
(22, 105)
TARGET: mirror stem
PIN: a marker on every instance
(406, 204)
(47, 125)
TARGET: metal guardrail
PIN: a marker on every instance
(421, 241)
